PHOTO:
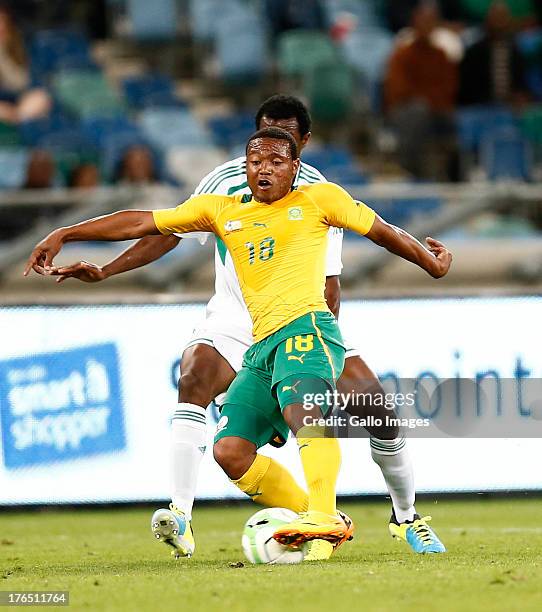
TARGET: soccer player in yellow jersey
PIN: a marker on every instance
(277, 239)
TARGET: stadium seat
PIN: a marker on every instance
(531, 125)
(32, 131)
(476, 121)
(347, 175)
(506, 155)
(402, 211)
(169, 127)
(9, 135)
(96, 129)
(13, 162)
(150, 90)
(244, 62)
(206, 15)
(69, 139)
(86, 93)
(330, 90)
(529, 43)
(153, 21)
(69, 147)
(190, 164)
(326, 158)
(367, 51)
(49, 48)
(229, 132)
(300, 51)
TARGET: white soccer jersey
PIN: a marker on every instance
(230, 179)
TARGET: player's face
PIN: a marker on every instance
(290, 125)
(270, 169)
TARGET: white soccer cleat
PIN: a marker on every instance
(172, 528)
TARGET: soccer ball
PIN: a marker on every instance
(258, 543)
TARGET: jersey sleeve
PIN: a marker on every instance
(339, 209)
(196, 214)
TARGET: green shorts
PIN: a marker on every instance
(304, 358)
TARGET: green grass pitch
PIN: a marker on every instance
(108, 560)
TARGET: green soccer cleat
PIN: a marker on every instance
(417, 533)
(172, 528)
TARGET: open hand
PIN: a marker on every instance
(82, 270)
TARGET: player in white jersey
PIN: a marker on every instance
(214, 354)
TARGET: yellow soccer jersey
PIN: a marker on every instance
(278, 249)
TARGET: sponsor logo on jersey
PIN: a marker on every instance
(295, 213)
(221, 425)
(291, 387)
(233, 226)
(297, 358)
(259, 224)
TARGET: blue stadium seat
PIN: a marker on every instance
(49, 48)
(169, 127)
(67, 139)
(474, 122)
(506, 155)
(367, 50)
(347, 175)
(150, 90)
(337, 164)
(402, 211)
(325, 159)
(229, 132)
(13, 164)
(206, 15)
(32, 131)
(97, 129)
(245, 61)
(153, 21)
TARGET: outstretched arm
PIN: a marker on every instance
(339, 209)
(123, 225)
(435, 259)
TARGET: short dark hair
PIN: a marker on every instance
(276, 134)
(280, 106)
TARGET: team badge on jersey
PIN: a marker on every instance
(295, 213)
(233, 226)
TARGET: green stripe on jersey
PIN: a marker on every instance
(309, 176)
(213, 176)
(232, 190)
(217, 178)
(222, 250)
(232, 174)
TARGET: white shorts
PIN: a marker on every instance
(232, 340)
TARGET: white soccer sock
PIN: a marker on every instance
(393, 459)
(188, 439)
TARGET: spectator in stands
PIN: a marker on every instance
(492, 70)
(84, 176)
(137, 166)
(40, 173)
(420, 89)
(286, 15)
(17, 101)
